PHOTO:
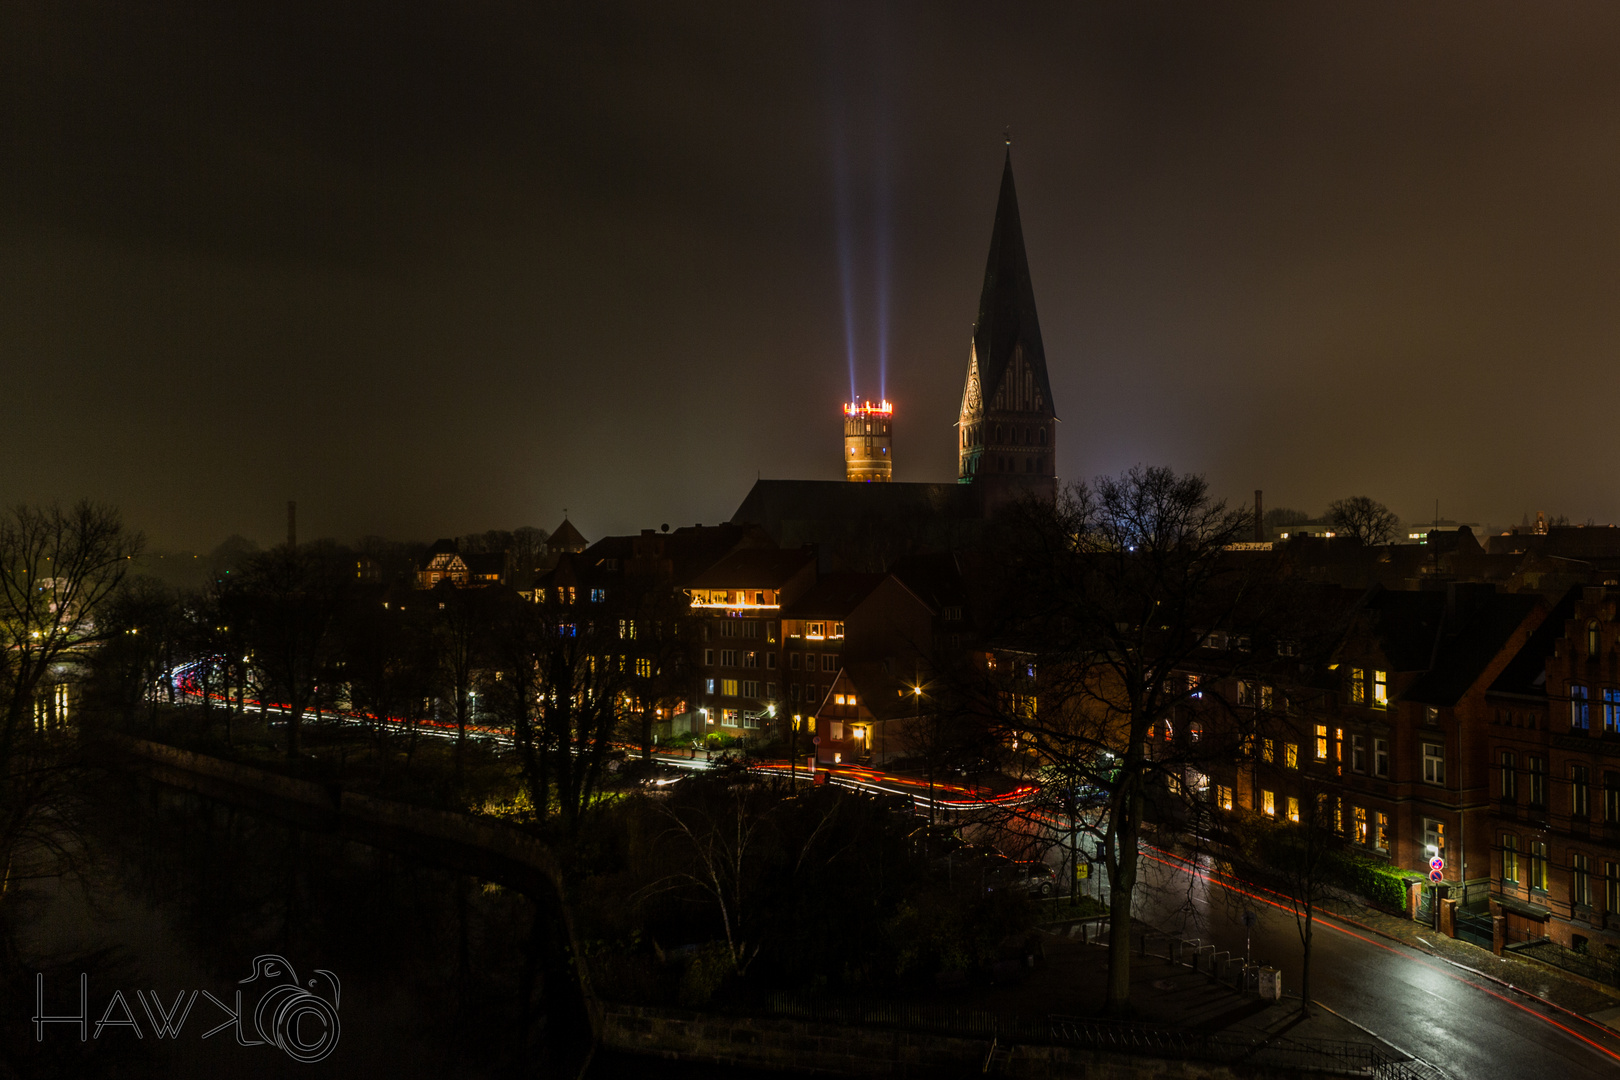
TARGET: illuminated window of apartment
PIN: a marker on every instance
(1293, 809)
(750, 659)
(708, 685)
(816, 630)
(1358, 753)
(1510, 859)
(1358, 686)
(1431, 716)
(835, 730)
(1321, 742)
(1381, 830)
(1434, 837)
(1593, 643)
(644, 667)
(728, 687)
(1580, 792)
(1380, 689)
(1380, 757)
(1268, 803)
(1291, 755)
(1245, 692)
(1265, 696)
(1434, 763)
(1223, 796)
(1538, 865)
(1268, 750)
(1580, 880)
(837, 630)
(1358, 824)
(1579, 717)
(1611, 711)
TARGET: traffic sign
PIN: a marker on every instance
(1437, 864)
(816, 740)
(1436, 876)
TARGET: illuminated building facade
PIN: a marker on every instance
(1007, 427)
(868, 445)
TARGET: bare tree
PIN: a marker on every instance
(1365, 520)
(1108, 599)
(57, 568)
(291, 601)
(1295, 858)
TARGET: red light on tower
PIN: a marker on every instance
(868, 450)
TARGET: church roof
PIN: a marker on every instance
(566, 538)
(1007, 302)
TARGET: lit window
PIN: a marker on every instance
(835, 730)
(1245, 692)
(1510, 859)
(1358, 820)
(1611, 712)
(1291, 755)
(1380, 689)
(728, 687)
(1580, 880)
(1580, 797)
(1268, 750)
(1381, 831)
(1268, 804)
(1358, 686)
(1293, 809)
(1593, 647)
(1538, 865)
(1265, 697)
(1223, 796)
(1321, 742)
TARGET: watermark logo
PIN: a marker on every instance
(298, 1017)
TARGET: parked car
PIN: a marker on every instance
(1035, 878)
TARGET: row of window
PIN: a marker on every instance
(1528, 867)
(1580, 786)
(1360, 826)
(1359, 687)
(746, 688)
(1331, 748)
(1580, 711)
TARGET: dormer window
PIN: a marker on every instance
(1593, 641)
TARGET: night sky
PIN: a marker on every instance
(437, 268)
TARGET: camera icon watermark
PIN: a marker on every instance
(299, 1017)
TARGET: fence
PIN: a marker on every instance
(1283, 1053)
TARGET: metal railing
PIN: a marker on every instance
(1282, 1052)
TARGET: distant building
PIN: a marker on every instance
(445, 563)
(868, 442)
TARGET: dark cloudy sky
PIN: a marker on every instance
(435, 268)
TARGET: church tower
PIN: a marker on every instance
(1007, 429)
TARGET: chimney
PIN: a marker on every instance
(292, 525)
(1259, 519)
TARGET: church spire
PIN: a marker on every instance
(1007, 317)
(1008, 426)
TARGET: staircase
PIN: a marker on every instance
(996, 1061)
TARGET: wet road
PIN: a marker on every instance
(1468, 1027)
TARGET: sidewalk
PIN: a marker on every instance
(1563, 989)
(1072, 982)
